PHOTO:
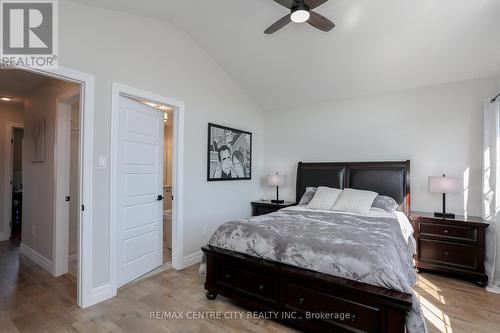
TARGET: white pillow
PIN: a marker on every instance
(355, 201)
(324, 198)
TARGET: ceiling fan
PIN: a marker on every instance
(300, 12)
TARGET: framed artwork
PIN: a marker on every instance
(229, 153)
(38, 137)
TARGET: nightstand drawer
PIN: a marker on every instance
(445, 253)
(448, 231)
(267, 207)
(264, 210)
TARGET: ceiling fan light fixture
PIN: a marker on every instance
(300, 14)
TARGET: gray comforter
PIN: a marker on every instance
(366, 249)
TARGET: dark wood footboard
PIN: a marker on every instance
(311, 301)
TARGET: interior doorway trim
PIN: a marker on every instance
(7, 218)
(86, 295)
(118, 90)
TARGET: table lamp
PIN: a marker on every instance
(276, 180)
(444, 185)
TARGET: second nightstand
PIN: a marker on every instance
(265, 207)
(453, 246)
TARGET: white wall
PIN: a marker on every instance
(155, 56)
(38, 177)
(9, 112)
(438, 128)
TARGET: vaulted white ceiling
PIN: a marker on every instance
(377, 46)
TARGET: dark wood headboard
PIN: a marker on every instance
(386, 178)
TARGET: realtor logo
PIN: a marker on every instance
(29, 33)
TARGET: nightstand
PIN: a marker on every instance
(265, 207)
(451, 246)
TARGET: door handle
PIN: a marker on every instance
(67, 198)
(160, 198)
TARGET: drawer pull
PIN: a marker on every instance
(226, 276)
(261, 287)
(301, 300)
(446, 253)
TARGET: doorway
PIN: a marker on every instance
(33, 175)
(146, 190)
(39, 158)
(17, 183)
(13, 194)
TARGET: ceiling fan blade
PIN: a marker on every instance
(314, 3)
(278, 24)
(287, 3)
(320, 22)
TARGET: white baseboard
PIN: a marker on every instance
(4, 236)
(192, 259)
(37, 258)
(494, 288)
(101, 293)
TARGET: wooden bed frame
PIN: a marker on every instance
(308, 300)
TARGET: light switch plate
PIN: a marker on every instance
(102, 162)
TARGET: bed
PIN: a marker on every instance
(311, 295)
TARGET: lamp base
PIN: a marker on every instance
(278, 201)
(444, 215)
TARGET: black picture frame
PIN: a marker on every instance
(234, 146)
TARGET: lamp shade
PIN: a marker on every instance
(445, 184)
(276, 180)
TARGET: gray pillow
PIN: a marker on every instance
(308, 195)
(385, 203)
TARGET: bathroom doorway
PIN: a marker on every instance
(146, 185)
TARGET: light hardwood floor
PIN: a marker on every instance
(32, 301)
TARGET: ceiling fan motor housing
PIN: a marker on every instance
(300, 6)
(300, 13)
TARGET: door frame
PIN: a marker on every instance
(121, 90)
(86, 295)
(9, 160)
(62, 150)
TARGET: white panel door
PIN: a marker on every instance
(140, 185)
